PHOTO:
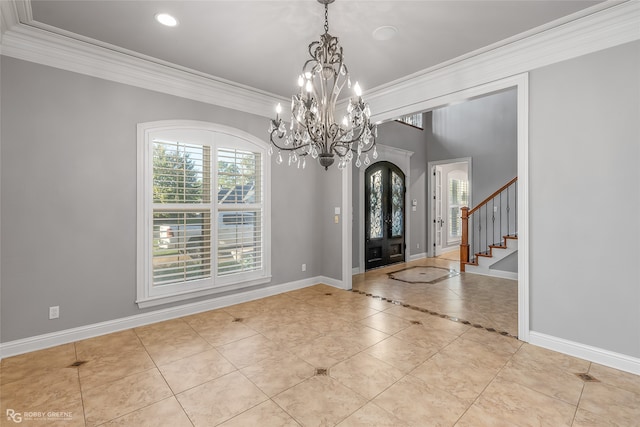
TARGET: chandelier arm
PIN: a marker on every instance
(363, 150)
(283, 148)
(354, 139)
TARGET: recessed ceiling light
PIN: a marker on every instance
(166, 19)
(385, 32)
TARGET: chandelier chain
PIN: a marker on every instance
(326, 17)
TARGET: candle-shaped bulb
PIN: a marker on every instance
(278, 109)
(357, 90)
(300, 80)
(309, 86)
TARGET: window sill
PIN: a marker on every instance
(166, 299)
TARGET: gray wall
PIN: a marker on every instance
(584, 153)
(484, 129)
(69, 197)
(329, 184)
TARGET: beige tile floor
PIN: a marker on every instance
(487, 301)
(261, 364)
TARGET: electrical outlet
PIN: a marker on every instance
(54, 312)
(304, 267)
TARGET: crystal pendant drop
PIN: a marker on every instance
(375, 153)
(349, 156)
(270, 150)
(294, 157)
(304, 162)
(289, 159)
(279, 158)
(367, 162)
(271, 127)
(358, 162)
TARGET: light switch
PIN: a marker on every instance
(337, 211)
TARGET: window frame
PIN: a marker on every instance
(218, 136)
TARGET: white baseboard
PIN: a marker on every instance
(39, 342)
(329, 281)
(417, 256)
(491, 272)
(355, 270)
(587, 352)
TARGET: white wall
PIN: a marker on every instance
(584, 197)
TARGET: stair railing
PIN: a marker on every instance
(489, 223)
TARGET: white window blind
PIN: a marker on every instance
(458, 197)
(181, 212)
(239, 211)
(203, 215)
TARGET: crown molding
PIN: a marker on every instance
(45, 47)
(8, 16)
(605, 28)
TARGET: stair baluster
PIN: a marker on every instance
(473, 218)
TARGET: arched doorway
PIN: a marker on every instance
(384, 215)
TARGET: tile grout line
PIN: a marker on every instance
(584, 384)
(487, 386)
(84, 412)
(173, 394)
(433, 313)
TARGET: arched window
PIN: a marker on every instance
(203, 211)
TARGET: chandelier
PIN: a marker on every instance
(313, 130)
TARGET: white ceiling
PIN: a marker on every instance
(263, 44)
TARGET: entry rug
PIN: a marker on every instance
(423, 274)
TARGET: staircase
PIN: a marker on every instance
(489, 232)
(488, 263)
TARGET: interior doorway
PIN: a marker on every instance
(449, 190)
(384, 215)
